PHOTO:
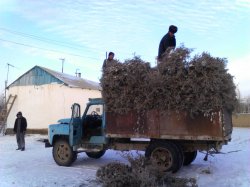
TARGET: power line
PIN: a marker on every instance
(43, 39)
(47, 40)
(45, 49)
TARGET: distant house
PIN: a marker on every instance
(44, 96)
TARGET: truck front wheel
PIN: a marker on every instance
(95, 155)
(74, 156)
(164, 155)
(62, 153)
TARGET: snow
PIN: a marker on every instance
(35, 166)
(73, 81)
(229, 169)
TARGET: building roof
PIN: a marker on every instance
(39, 75)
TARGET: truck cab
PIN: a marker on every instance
(84, 133)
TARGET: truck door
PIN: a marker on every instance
(93, 121)
(75, 128)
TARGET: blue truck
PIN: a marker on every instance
(170, 140)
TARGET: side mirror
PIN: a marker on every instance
(76, 110)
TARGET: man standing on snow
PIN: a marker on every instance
(20, 128)
(167, 41)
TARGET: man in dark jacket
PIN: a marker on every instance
(20, 128)
(167, 41)
(109, 60)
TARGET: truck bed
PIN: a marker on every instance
(169, 125)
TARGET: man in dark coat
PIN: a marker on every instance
(109, 60)
(20, 128)
(167, 41)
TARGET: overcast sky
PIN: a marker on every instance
(41, 32)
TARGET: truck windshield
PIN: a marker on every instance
(95, 110)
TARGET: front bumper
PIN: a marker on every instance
(47, 144)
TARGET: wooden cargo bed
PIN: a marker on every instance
(169, 125)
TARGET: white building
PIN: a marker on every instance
(44, 96)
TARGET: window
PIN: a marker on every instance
(95, 109)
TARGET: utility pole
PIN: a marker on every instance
(62, 59)
(6, 82)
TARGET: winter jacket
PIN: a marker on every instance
(166, 41)
(23, 125)
(107, 62)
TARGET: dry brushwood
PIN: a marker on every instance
(115, 175)
(140, 173)
(211, 87)
(197, 85)
(120, 82)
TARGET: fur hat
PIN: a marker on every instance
(172, 29)
(111, 53)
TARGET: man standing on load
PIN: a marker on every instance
(109, 60)
(167, 41)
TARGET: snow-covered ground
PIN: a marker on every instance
(35, 166)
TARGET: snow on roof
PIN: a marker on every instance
(73, 81)
(34, 76)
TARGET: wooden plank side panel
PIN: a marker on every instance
(133, 124)
(181, 124)
(153, 123)
(164, 124)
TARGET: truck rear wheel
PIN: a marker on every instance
(180, 155)
(62, 153)
(95, 155)
(164, 155)
(189, 157)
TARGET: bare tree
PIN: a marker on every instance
(243, 105)
(248, 104)
(1, 101)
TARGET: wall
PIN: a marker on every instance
(241, 120)
(45, 104)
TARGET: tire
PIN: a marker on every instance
(62, 153)
(164, 155)
(95, 155)
(180, 155)
(74, 156)
(189, 157)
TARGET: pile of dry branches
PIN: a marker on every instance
(198, 85)
(115, 174)
(139, 173)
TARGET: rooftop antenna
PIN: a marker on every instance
(62, 59)
(6, 82)
(77, 73)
